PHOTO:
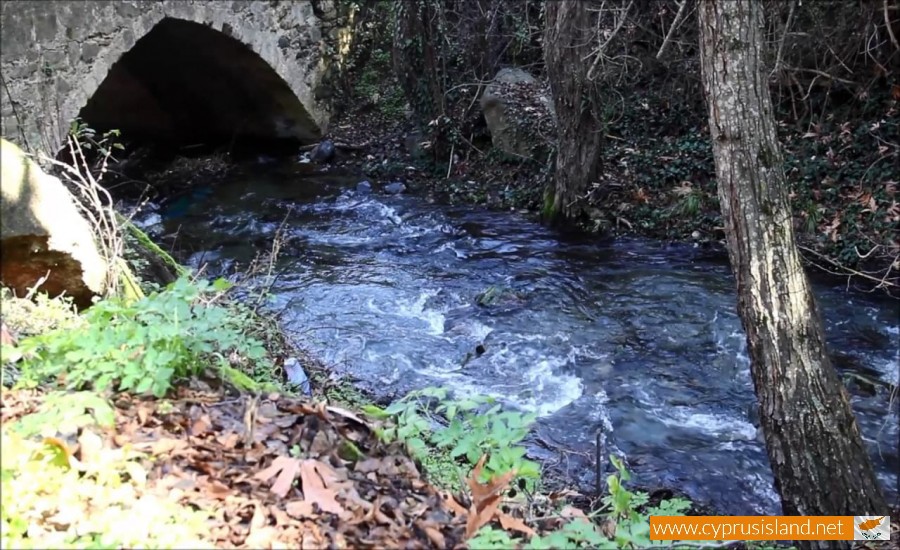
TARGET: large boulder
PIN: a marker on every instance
(42, 233)
(519, 113)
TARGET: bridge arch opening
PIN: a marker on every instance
(184, 85)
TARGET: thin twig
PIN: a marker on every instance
(675, 24)
(887, 24)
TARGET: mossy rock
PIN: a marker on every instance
(499, 296)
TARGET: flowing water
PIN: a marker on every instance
(636, 339)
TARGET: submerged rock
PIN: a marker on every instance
(323, 152)
(395, 188)
(498, 296)
(44, 237)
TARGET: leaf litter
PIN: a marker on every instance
(287, 480)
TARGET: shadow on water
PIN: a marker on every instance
(634, 338)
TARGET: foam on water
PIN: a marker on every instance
(417, 310)
(720, 425)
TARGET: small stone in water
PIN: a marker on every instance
(394, 188)
(363, 187)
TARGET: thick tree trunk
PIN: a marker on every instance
(568, 41)
(820, 464)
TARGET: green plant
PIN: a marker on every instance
(142, 345)
(626, 509)
(66, 413)
(462, 428)
(88, 140)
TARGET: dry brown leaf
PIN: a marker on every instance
(481, 515)
(299, 509)
(346, 414)
(228, 440)
(143, 413)
(485, 497)
(572, 512)
(201, 425)
(315, 489)
(454, 506)
(496, 485)
(288, 468)
(435, 536)
(167, 445)
(515, 524)
(217, 490)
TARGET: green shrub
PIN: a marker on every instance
(626, 509)
(141, 346)
(463, 429)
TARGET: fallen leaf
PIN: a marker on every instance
(454, 506)
(515, 524)
(167, 445)
(143, 413)
(572, 512)
(483, 491)
(481, 515)
(435, 535)
(299, 509)
(201, 425)
(485, 497)
(6, 337)
(218, 490)
(346, 414)
(228, 440)
(315, 489)
(288, 468)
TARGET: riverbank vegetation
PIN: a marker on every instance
(164, 414)
(163, 418)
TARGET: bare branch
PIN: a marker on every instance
(679, 17)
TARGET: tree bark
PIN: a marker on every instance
(820, 464)
(568, 42)
(418, 65)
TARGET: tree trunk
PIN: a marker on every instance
(820, 464)
(418, 65)
(568, 42)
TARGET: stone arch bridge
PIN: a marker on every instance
(178, 71)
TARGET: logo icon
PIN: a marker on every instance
(871, 528)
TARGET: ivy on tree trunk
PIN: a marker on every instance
(820, 463)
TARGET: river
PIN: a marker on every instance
(635, 338)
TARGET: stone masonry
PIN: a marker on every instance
(55, 54)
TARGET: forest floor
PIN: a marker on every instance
(207, 464)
